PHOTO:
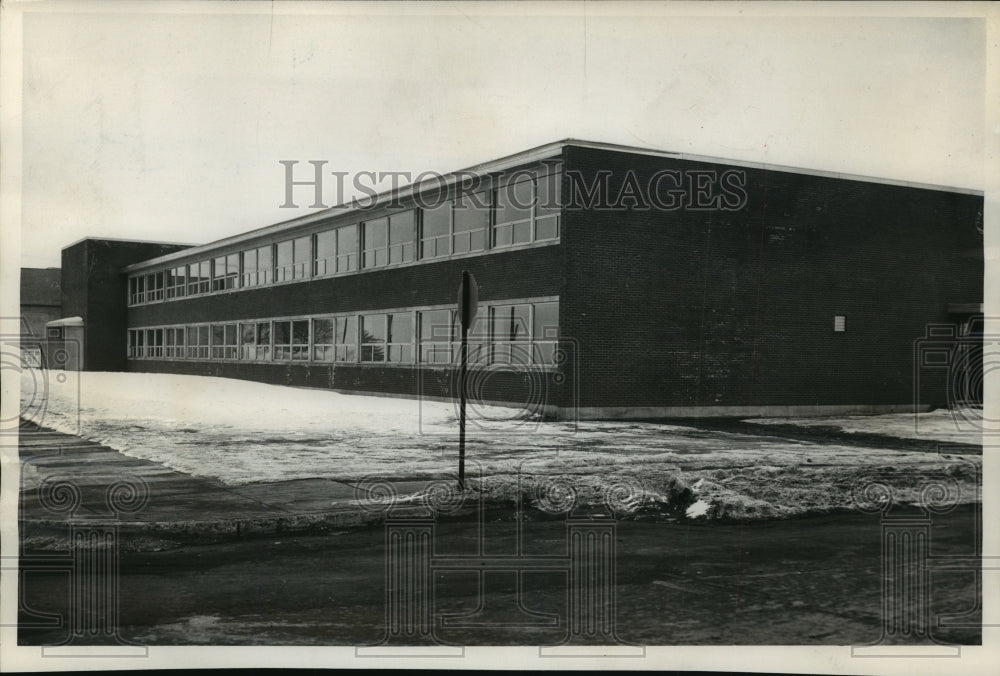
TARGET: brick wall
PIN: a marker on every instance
(93, 288)
(736, 308)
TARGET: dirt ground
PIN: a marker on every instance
(800, 581)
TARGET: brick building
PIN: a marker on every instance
(40, 304)
(613, 282)
(40, 299)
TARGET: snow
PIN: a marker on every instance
(951, 426)
(696, 509)
(241, 432)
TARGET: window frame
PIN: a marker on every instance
(174, 288)
(296, 351)
(550, 176)
(226, 349)
(327, 348)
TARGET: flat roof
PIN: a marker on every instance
(132, 241)
(537, 154)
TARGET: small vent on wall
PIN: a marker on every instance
(838, 323)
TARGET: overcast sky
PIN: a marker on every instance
(170, 127)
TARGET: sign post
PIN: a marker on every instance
(468, 304)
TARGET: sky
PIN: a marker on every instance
(149, 122)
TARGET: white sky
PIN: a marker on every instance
(169, 126)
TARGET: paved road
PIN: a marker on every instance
(802, 581)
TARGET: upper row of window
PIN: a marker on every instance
(522, 212)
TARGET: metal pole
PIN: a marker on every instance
(464, 316)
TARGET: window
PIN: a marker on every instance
(479, 338)
(512, 213)
(301, 257)
(233, 271)
(400, 334)
(219, 273)
(291, 259)
(154, 343)
(176, 281)
(224, 341)
(199, 278)
(373, 338)
(154, 287)
(263, 341)
(526, 210)
(174, 339)
(375, 242)
(389, 240)
(135, 288)
(135, 344)
(839, 323)
(347, 339)
(325, 253)
(471, 220)
(323, 336)
(547, 206)
(283, 261)
(226, 272)
(435, 231)
(249, 259)
(436, 334)
(511, 334)
(545, 332)
(258, 266)
(197, 342)
(522, 333)
(402, 232)
(525, 333)
(248, 341)
(347, 248)
(291, 340)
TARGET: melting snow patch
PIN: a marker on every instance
(699, 508)
(243, 433)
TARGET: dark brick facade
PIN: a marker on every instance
(736, 308)
(94, 288)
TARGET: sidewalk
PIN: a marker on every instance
(178, 504)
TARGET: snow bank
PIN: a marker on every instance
(242, 432)
(953, 426)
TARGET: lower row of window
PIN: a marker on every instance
(502, 333)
